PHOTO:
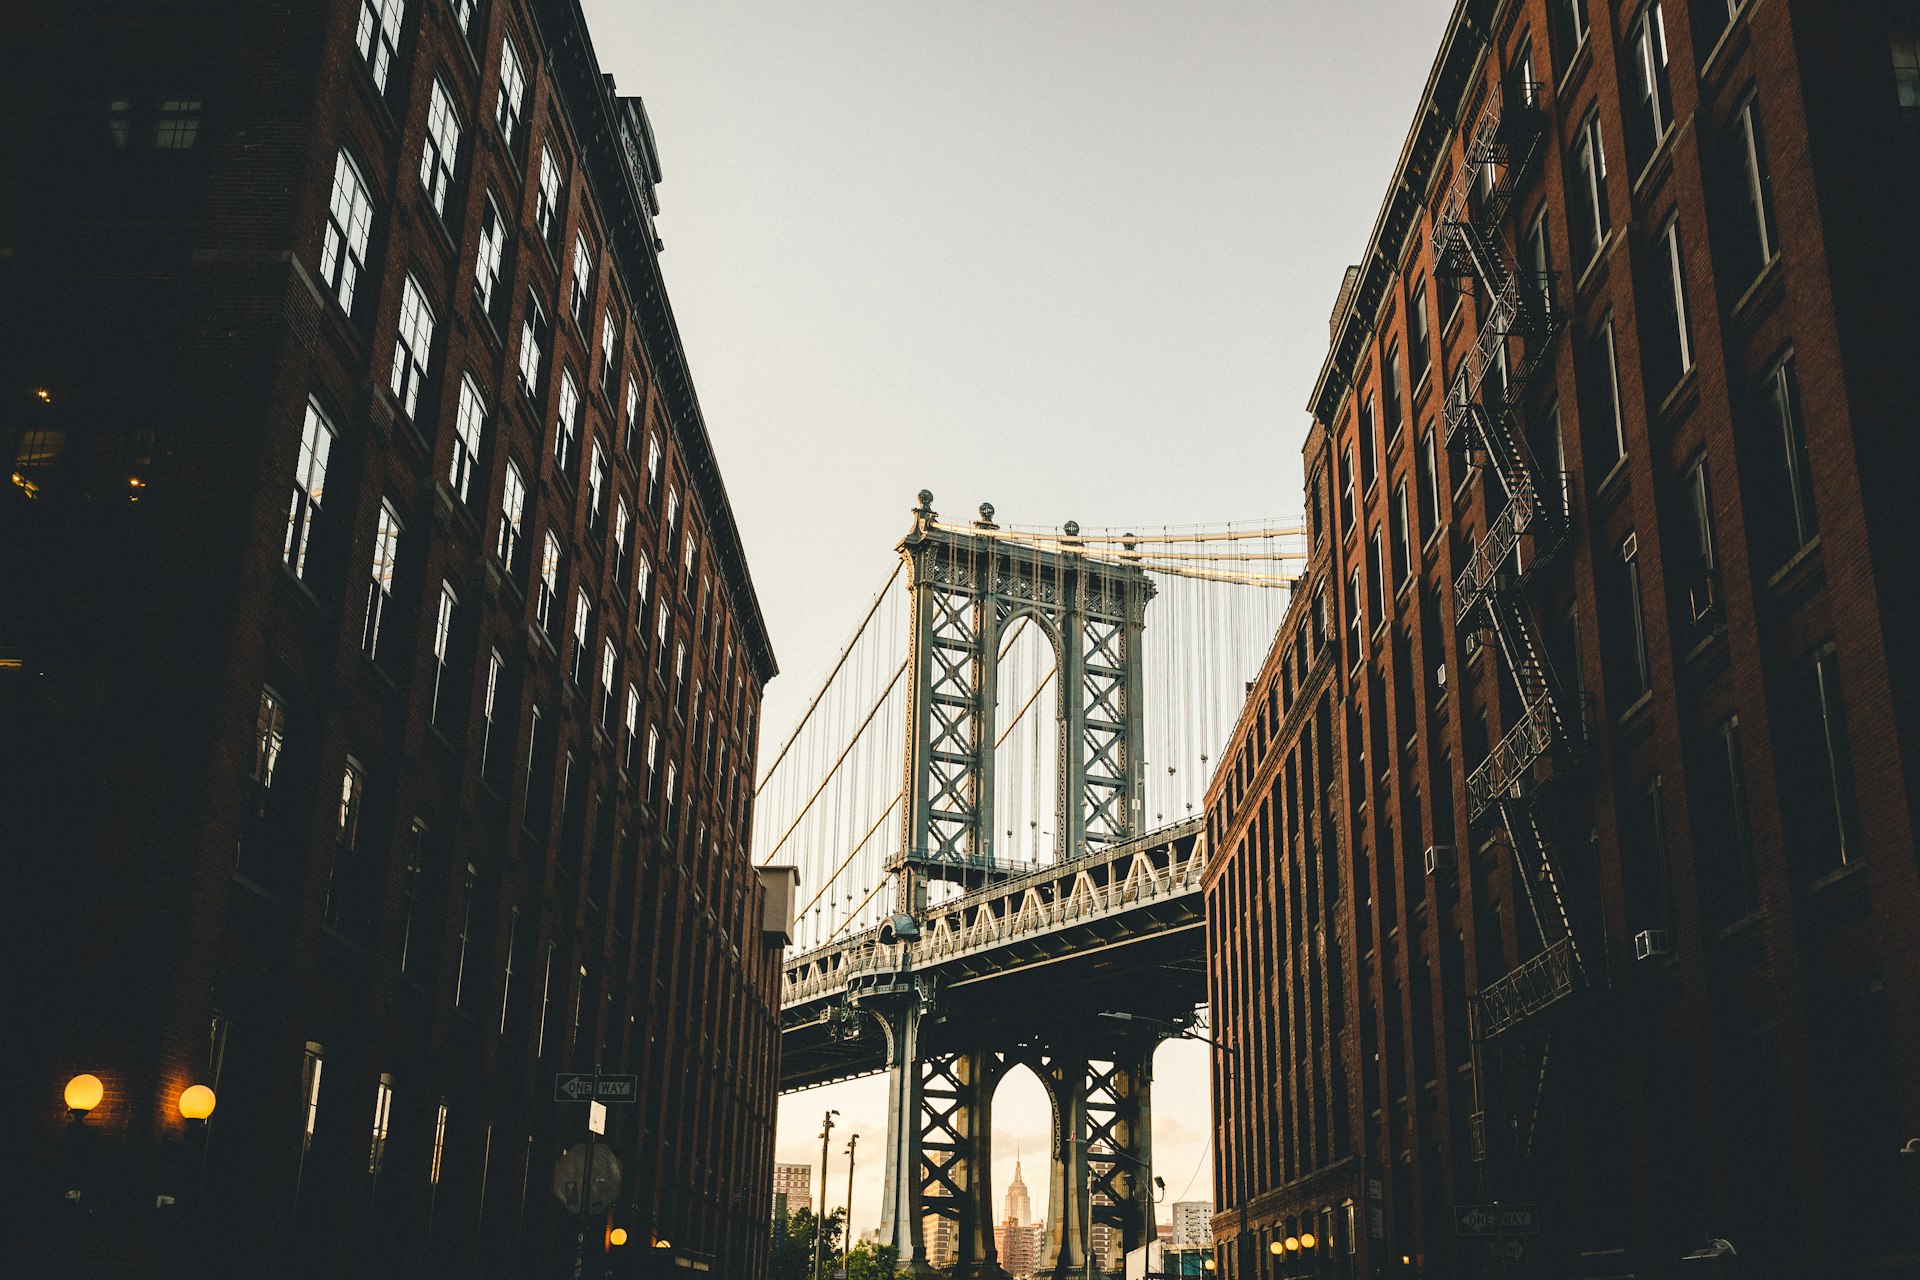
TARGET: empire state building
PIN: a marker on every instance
(1019, 1235)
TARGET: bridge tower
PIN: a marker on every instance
(968, 587)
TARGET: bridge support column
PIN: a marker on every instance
(899, 1011)
(1065, 1253)
(978, 1074)
(1132, 1139)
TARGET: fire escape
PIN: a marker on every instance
(1519, 547)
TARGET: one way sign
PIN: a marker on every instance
(583, 1086)
(1495, 1219)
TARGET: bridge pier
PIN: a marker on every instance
(1065, 1252)
(899, 1008)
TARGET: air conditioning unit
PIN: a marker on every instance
(1649, 943)
(1704, 597)
(1439, 859)
(1470, 644)
(1440, 675)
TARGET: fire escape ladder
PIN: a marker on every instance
(1539, 1099)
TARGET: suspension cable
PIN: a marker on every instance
(838, 761)
(835, 874)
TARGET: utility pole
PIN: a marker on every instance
(820, 1223)
(853, 1140)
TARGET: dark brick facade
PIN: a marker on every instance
(305, 773)
(1727, 807)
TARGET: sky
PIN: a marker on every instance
(1076, 259)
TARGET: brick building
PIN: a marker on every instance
(379, 667)
(1565, 849)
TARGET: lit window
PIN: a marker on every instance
(513, 506)
(582, 279)
(440, 1115)
(340, 888)
(120, 121)
(177, 126)
(343, 249)
(1587, 203)
(378, 36)
(382, 1115)
(533, 342)
(440, 148)
(549, 583)
(469, 427)
(653, 762)
(311, 1063)
(487, 262)
(628, 760)
(608, 660)
(513, 88)
(1648, 106)
(309, 479)
(442, 646)
(386, 551)
(1905, 43)
(1753, 242)
(660, 642)
(412, 347)
(622, 541)
(687, 553)
(633, 415)
(269, 735)
(547, 208)
(566, 424)
(653, 467)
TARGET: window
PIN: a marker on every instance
(1402, 535)
(1634, 637)
(546, 999)
(1353, 617)
(440, 149)
(1669, 341)
(596, 487)
(382, 1114)
(1820, 787)
(660, 643)
(1536, 265)
(1610, 430)
(442, 649)
(1396, 403)
(1788, 523)
(440, 1114)
(513, 89)
(340, 889)
(630, 757)
(513, 507)
(566, 424)
(622, 543)
(1427, 476)
(412, 347)
(582, 634)
(410, 892)
(463, 935)
(680, 677)
(533, 345)
(547, 208)
(1569, 29)
(673, 787)
(609, 660)
(642, 574)
(309, 480)
(386, 552)
(463, 18)
(549, 597)
(653, 468)
(379, 35)
(582, 288)
(269, 736)
(1729, 888)
(1587, 203)
(488, 261)
(1649, 884)
(1647, 100)
(343, 248)
(1377, 580)
(1905, 42)
(490, 710)
(1419, 334)
(1369, 447)
(1347, 508)
(609, 353)
(469, 428)
(1697, 494)
(176, 125)
(1753, 242)
(506, 975)
(311, 1063)
(653, 763)
(632, 438)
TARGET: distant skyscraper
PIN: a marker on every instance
(795, 1182)
(1019, 1236)
(1193, 1224)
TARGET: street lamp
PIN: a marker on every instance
(1180, 1031)
(617, 1237)
(196, 1104)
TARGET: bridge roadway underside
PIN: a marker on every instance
(1046, 991)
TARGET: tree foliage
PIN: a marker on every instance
(792, 1254)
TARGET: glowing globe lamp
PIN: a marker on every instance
(84, 1092)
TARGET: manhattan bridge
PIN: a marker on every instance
(994, 807)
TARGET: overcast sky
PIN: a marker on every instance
(1076, 259)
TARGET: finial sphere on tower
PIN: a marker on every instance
(926, 497)
(986, 512)
(1073, 528)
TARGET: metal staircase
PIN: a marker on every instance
(1522, 319)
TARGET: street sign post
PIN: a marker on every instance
(587, 1086)
(1496, 1219)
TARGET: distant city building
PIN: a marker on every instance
(1019, 1237)
(1192, 1224)
(795, 1182)
(937, 1230)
